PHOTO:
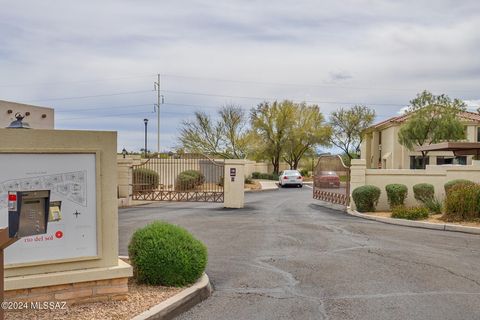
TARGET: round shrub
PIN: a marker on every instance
(414, 213)
(366, 198)
(396, 194)
(462, 202)
(450, 184)
(424, 192)
(188, 180)
(144, 179)
(165, 254)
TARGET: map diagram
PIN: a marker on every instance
(70, 185)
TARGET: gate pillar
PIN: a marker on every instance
(124, 171)
(357, 176)
(234, 179)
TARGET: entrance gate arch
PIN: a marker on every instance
(179, 177)
(331, 180)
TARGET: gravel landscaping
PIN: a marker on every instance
(140, 298)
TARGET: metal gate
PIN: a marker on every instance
(179, 177)
(331, 180)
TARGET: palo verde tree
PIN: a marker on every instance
(307, 131)
(431, 119)
(270, 124)
(226, 137)
(348, 126)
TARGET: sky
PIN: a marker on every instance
(95, 62)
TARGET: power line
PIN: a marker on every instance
(76, 81)
(93, 96)
(269, 99)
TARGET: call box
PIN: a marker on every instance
(28, 212)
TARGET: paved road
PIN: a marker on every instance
(285, 257)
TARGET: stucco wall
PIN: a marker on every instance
(435, 175)
(39, 117)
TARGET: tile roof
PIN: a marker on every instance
(467, 115)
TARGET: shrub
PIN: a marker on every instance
(413, 213)
(304, 172)
(424, 192)
(189, 179)
(165, 254)
(396, 194)
(144, 179)
(248, 180)
(462, 202)
(434, 205)
(450, 184)
(256, 175)
(366, 198)
(265, 176)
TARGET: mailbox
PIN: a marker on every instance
(28, 212)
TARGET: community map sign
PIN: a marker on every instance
(72, 226)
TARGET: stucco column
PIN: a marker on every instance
(234, 196)
(358, 171)
(124, 171)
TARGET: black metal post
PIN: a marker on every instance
(146, 123)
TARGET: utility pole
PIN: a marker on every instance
(157, 107)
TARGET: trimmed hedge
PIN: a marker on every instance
(165, 254)
(424, 192)
(396, 194)
(265, 176)
(462, 203)
(366, 198)
(144, 179)
(413, 213)
(188, 180)
(450, 184)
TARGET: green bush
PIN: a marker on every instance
(396, 194)
(188, 180)
(434, 205)
(165, 254)
(366, 198)
(450, 184)
(462, 203)
(424, 192)
(144, 179)
(256, 175)
(414, 213)
(248, 180)
(304, 172)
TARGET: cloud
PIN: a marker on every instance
(334, 53)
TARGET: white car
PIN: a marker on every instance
(290, 177)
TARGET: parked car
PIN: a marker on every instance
(290, 177)
(327, 179)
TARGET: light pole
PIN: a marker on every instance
(146, 123)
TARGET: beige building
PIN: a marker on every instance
(380, 147)
(36, 117)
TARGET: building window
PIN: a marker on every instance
(462, 160)
(416, 162)
(478, 134)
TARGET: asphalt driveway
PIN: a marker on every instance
(285, 257)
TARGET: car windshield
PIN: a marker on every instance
(291, 173)
(328, 173)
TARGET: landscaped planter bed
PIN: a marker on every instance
(139, 299)
(431, 219)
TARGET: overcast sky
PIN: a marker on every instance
(95, 61)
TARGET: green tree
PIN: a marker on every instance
(431, 119)
(226, 137)
(348, 126)
(307, 131)
(271, 123)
